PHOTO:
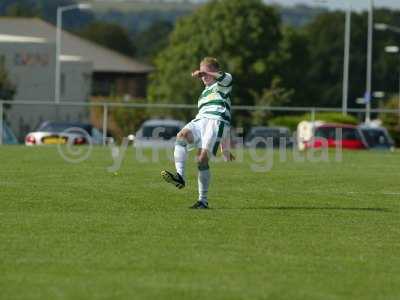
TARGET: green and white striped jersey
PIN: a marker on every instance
(215, 101)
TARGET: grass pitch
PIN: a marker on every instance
(328, 230)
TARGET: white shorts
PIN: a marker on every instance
(207, 133)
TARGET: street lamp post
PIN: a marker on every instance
(60, 11)
(346, 60)
(368, 96)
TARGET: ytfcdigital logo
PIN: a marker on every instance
(74, 137)
(259, 153)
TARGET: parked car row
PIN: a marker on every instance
(162, 133)
(320, 134)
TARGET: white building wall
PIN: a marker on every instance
(31, 68)
(76, 79)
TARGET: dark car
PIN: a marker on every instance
(377, 137)
(261, 136)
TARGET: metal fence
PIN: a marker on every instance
(34, 112)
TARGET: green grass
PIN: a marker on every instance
(303, 230)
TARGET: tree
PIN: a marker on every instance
(112, 36)
(275, 95)
(392, 120)
(324, 73)
(243, 34)
(152, 40)
(326, 56)
(21, 9)
(294, 55)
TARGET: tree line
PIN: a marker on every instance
(275, 64)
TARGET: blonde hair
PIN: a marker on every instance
(210, 62)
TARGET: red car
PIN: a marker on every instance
(336, 135)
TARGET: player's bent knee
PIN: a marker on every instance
(180, 142)
(180, 135)
(186, 135)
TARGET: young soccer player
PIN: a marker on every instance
(207, 131)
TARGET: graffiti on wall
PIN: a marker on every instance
(31, 59)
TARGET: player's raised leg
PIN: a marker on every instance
(183, 138)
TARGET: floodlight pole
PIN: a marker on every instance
(346, 60)
(368, 96)
(60, 11)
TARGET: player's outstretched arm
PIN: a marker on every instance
(198, 74)
(226, 150)
(228, 156)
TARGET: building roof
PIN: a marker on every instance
(7, 38)
(104, 60)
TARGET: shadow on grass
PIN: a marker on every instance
(366, 209)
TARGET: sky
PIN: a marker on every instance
(341, 4)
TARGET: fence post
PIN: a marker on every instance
(313, 114)
(105, 119)
(1, 122)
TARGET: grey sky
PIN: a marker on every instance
(341, 4)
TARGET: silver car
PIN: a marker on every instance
(158, 133)
(53, 133)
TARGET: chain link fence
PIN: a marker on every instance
(119, 119)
